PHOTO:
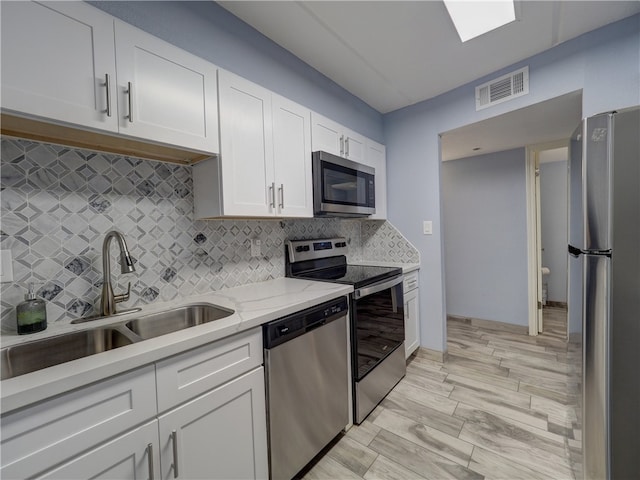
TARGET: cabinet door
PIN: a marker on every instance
(411, 322)
(220, 435)
(376, 158)
(172, 98)
(56, 59)
(354, 146)
(246, 147)
(134, 455)
(326, 135)
(42, 435)
(292, 158)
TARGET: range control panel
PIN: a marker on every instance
(300, 250)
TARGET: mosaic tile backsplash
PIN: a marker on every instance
(57, 204)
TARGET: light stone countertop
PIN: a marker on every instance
(406, 267)
(254, 304)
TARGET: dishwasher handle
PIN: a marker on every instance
(292, 326)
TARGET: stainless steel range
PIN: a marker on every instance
(376, 315)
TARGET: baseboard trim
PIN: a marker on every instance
(428, 354)
(490, 324)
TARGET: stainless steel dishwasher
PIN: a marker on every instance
(307, 384)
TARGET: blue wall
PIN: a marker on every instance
(604, 64)
(210, 32)
(485, 236)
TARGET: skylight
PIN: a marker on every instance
(473, 18)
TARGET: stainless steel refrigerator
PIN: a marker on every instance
(604, 236)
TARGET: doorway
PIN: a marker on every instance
(534, 129)
(548, 227)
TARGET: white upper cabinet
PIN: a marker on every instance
(246, 150)
(58, 62)
(292, 158)
(332, 137)
(70, 64)
(264, 168)
(164, 93)
(375, 156)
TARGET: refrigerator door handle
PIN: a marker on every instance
(574, 252)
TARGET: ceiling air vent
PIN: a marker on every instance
(507, 87)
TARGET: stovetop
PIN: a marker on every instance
(325, 260)
(356, 275)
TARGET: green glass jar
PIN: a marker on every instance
(32, 313)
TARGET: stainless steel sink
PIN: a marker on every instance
(39, 354)
(170, 321)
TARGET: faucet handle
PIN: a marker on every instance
(123, 297)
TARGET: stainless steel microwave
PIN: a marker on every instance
(341, 187)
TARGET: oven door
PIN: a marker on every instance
(342, 187)
(377, 324)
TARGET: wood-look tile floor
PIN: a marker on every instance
(502, 406)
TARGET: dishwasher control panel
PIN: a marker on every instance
(296, 324)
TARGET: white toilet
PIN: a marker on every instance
(545, 272)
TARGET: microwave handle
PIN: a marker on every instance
(346, 147)
(341, 144)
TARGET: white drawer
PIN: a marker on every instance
(187, 375)
(411, 281)
(49, 432)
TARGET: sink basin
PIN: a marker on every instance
(169, 321)
(39, 354)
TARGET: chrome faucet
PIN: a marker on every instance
(108, 299)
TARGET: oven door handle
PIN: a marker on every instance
(376, 287)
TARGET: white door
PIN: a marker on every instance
(132, 456)
(219, 435)
(539, 244)
(376, 157)
(411, 322)
(165, 94)
(292, 158)
(246, 148)
(326, 135)
(58, 62)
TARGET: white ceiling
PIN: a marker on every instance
(545, 122)
(392, 54)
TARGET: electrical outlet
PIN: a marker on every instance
(427, 227)
(256, 245)
(6, 266)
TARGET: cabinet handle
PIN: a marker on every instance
(107, 84)
(341, 144)
(129, 93)
(281, 190)
(346, 149)
(174, 439)
(150, 461)
(272, 195)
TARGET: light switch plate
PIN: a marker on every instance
(6, 266)
(427, 227)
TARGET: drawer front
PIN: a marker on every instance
(38, 437)
(187, 375)
(410, 281)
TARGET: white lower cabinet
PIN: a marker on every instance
(133, 455)
(411, 313)
(219, 435)
(212, 397)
